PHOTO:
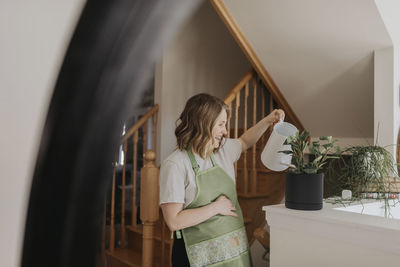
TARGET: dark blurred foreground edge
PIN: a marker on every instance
(104, 73)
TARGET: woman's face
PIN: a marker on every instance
(219, 129)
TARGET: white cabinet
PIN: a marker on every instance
(331, 237)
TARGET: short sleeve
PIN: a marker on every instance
(172, 183)
(232, 149)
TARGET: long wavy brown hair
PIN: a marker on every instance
(194, 125)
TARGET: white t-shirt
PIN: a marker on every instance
(177, 177)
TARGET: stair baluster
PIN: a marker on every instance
(162, 243)
(134, 182)
(245, 173)
(253, 173)
(154, 133)
(122, 239)
(229, 121)
(237, 125)
(112, 215)
(262, 111)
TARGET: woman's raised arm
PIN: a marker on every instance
(251, 136)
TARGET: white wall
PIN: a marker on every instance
(203, 57)
(389, 10)
(33, 39)
(396, 95)
(320, 54)
(386, 98)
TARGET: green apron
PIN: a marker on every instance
(221, 240)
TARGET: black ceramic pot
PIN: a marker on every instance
(304, 191)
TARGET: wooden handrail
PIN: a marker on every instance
(232, 93)
(139, 123)
(237, 34)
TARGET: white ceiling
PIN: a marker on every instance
(320, 54)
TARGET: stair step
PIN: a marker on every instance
(135, 238)
(139, 229)
(124, 257)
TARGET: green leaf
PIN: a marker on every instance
(321, 164)
(290, 139)
(327, 146)
(326, 138)
(317, 159)
(304, 135)
(332, 157)
(312, 150)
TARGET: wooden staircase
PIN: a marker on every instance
(144, 242)
(250, 101)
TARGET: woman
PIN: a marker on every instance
(197, 192)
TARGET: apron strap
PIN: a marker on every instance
(178, 234)
(193, 161)
(212, 159)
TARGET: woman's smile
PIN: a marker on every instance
(219, 129)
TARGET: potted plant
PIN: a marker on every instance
(304, 180)
(368, 171)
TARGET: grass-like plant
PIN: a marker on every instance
(322, 150)
(362, 169)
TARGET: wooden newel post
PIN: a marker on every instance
(149, 210)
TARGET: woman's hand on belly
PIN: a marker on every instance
(178, 218)
(224, 206)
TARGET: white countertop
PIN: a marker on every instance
(355, 228)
